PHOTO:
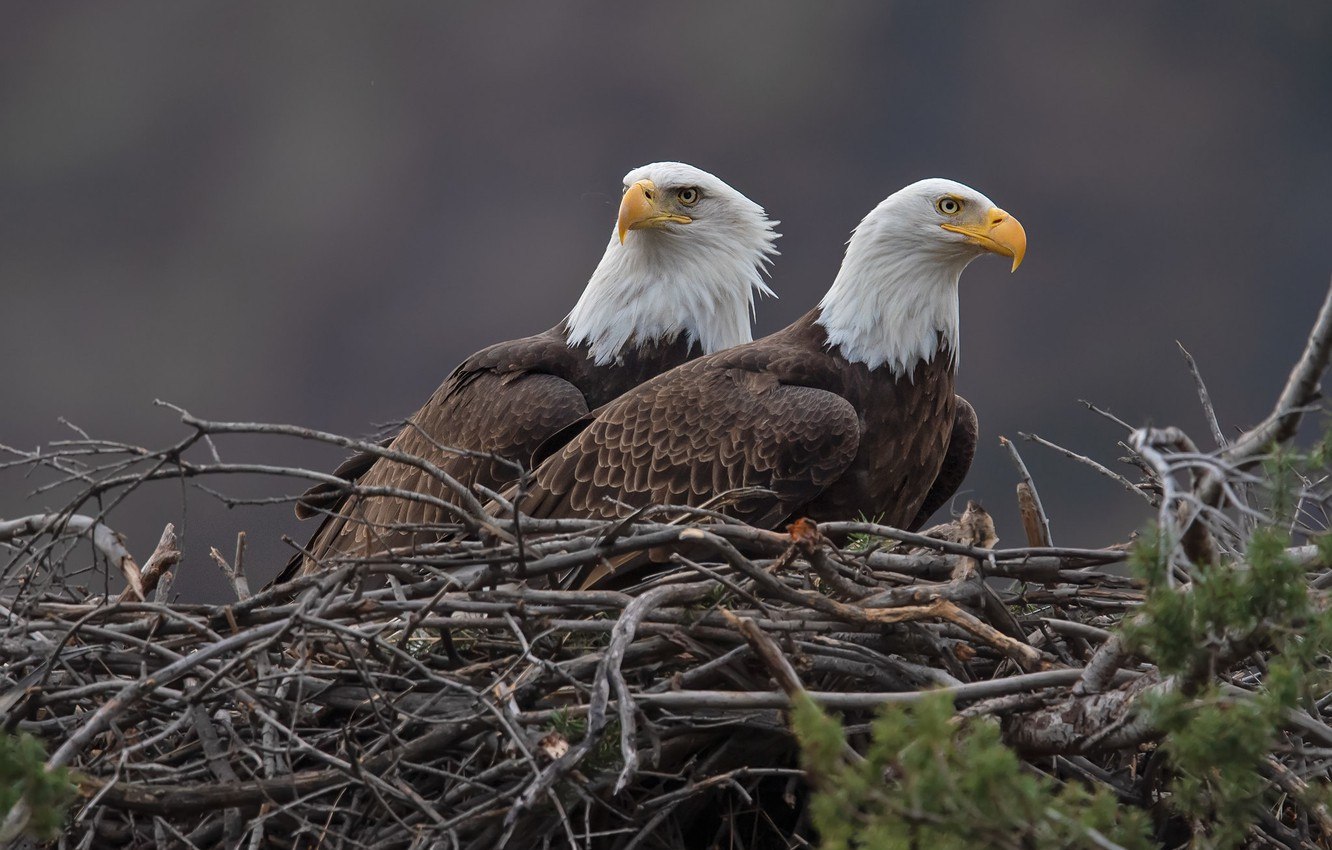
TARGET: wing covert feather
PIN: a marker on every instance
(695, 433)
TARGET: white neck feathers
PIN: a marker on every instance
(658, 285)
(894, 301)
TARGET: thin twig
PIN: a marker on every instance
(1086, 461)
(1204, 397)
(1034, 519)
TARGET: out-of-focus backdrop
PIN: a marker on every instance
(310, 212)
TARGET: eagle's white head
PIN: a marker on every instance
(896, 293)
(687, 256)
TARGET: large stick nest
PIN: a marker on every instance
(450, 698)
(327, 713)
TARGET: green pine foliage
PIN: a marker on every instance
(927, 781)
(1228, 611)
(1324, 544)
(1216, 740)
(23, 776)
(1215, 748)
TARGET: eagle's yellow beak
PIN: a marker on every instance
(640, 208)
(1000, 233)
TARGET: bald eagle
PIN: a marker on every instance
(678, 279)
(849, 411)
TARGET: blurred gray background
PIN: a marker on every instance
(310, 213)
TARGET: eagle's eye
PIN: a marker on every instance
(689, 196)
(949, 206)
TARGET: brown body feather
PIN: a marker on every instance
(956, 463)
(828, 438)
(505, 400)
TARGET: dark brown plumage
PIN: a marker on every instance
(826, 437)
(956, 463)
(505, 400)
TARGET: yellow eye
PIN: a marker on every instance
(689, 196)
(949, 206)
